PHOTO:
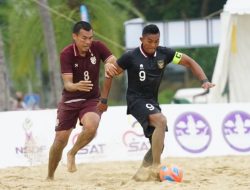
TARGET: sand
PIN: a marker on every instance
(211, 173)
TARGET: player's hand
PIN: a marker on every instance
(207, 85)
(84, 85)
(102, 107)
(110, 70)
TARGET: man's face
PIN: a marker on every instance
(83, 40)
(150, 42)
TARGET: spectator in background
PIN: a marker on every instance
(19, 104)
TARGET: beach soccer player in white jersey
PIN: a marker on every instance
(145, 67)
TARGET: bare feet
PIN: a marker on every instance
(71, 163)
(154, 173)
(147, 174)
(142, 174)
(49, 178)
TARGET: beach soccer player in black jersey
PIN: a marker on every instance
(145, 67)
(80, 68)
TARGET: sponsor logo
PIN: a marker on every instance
(236, 130)
(135, 142)
(134, 138)
(192, 132)
(31, 149)
(90, 148)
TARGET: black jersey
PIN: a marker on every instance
(144, 72)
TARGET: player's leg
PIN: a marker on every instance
(90, 121)
(148, 114)
(146, 165)
(155, 131)
(139, 109)
(158, 121)
(148, 158)
(142, 173)
(66, 121)
(56, 150)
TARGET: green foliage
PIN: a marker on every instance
(165, 96)
(4, 8)
(24, 39)
(107, 24)
(216, 5)
(167, 9)
(3, 12)
(107, 27)
(127, 5)
(63, 26)
(206, 57)
(176, 9)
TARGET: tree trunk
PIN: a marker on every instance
(204, 8)
(4, 88)
(54, 72)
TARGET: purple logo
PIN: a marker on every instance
(90, 148)
(236, 130)
(192, 132)
(134, 139)
(135, 142)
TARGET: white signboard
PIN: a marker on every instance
(194, 130)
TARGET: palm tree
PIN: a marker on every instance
(51, 47)
(33, 56)
(4, 82)
(4, 88)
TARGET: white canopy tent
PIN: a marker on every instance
(232, 68)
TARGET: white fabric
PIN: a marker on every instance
(239, 73)
(237, 6)
(220, 74)
(233, 66)
(74, 100)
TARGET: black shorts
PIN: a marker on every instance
(141, 109)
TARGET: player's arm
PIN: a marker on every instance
(103, 104)
(196, 69)
(72, 87)
(107, 80)
(112, 69)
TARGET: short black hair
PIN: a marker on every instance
(81, 25)
(150, 29)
